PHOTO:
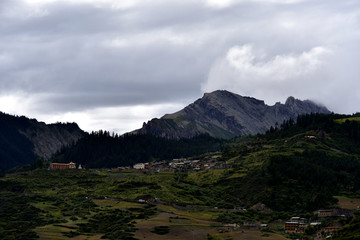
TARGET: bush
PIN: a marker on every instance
(161, 230)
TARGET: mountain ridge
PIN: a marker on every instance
(22, 140)
(223, 114)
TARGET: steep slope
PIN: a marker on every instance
(22, 139)
(224, 114)
(298, 167)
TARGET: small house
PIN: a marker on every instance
(139, 166)
(70, 165)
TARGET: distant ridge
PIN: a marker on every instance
(22, 140)
(223, 114)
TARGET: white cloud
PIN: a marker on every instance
(123, 4)
(164, 36)
(219, 3)
(280, 68)
(228, 3)
(114, 119)
(84, 59)
(16, 103)
(249, 71)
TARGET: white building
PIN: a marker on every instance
(139, 166)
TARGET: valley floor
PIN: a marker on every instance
(183, 225)
(94, 205)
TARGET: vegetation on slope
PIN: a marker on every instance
(298, 167)
(102, 150)
(64, 200)
(15, 148)
(23, 140)
(350, 231)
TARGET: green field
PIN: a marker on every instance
(343, 120)
(79, 204)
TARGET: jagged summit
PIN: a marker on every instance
(225, 114)
(290, 100)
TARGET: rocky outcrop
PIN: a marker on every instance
(224, 114)
(48, 139)
(22, 140)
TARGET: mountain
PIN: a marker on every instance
(223, 114)
(293, 170)
(22, 140)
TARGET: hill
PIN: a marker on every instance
(298, 167)
(22, 140)
(223, 114)
(101, 150)
(271, 169)
(289, 171)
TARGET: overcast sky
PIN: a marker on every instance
(114, 64)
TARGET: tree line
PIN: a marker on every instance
(102, 149)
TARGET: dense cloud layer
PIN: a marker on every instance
(114, 64)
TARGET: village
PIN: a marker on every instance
(323, 223)
(208, 163)
(300, 225)
(297, 226)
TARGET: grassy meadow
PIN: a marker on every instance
(81, 204)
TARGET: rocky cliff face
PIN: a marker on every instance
(22, 140)
(224, 114)
(48, 139)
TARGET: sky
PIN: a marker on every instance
(114, 64)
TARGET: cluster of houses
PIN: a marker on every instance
(161, 166)
(183, 163)
(298, 225)
(70, 165)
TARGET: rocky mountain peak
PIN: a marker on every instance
(290, 101)
(224, 114)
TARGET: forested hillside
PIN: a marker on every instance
(292, 170)
(102, 150)
(299, 166)
(15, 148)
(22, 140)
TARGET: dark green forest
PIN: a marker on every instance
(292, 172)
(19, 134)
(15, 148)
(104, 150)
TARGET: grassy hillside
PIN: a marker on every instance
(291, 170)
(82, 204)
(298, 167)
(350, 231)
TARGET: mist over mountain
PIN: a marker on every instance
(22, 140)
(223, 114)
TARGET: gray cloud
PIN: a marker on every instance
(77, 56)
